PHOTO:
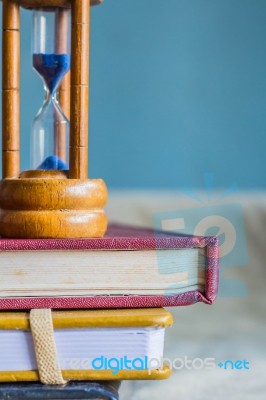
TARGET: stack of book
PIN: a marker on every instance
(107, 297)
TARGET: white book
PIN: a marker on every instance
(90, 344)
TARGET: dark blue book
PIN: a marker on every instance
(73, 390)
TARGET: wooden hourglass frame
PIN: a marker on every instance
(49, 203)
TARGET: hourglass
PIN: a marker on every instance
(54, 199)
(51, 60)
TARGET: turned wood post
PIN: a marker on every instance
(10, 97)
(61, 41)
(64, 95)
(61, 38)
(62, 146)
(79, 112)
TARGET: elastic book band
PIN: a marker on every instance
(42, 329)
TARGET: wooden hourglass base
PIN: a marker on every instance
(45, 204)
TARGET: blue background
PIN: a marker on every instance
(178, 89)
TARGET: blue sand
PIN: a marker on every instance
(52, 68)
(53, 162)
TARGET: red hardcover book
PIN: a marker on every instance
(128, 268)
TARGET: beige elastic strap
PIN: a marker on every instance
(42, 329)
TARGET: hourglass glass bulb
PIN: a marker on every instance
(52, 68)
(51, 59)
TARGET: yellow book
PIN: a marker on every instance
(91, 345)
